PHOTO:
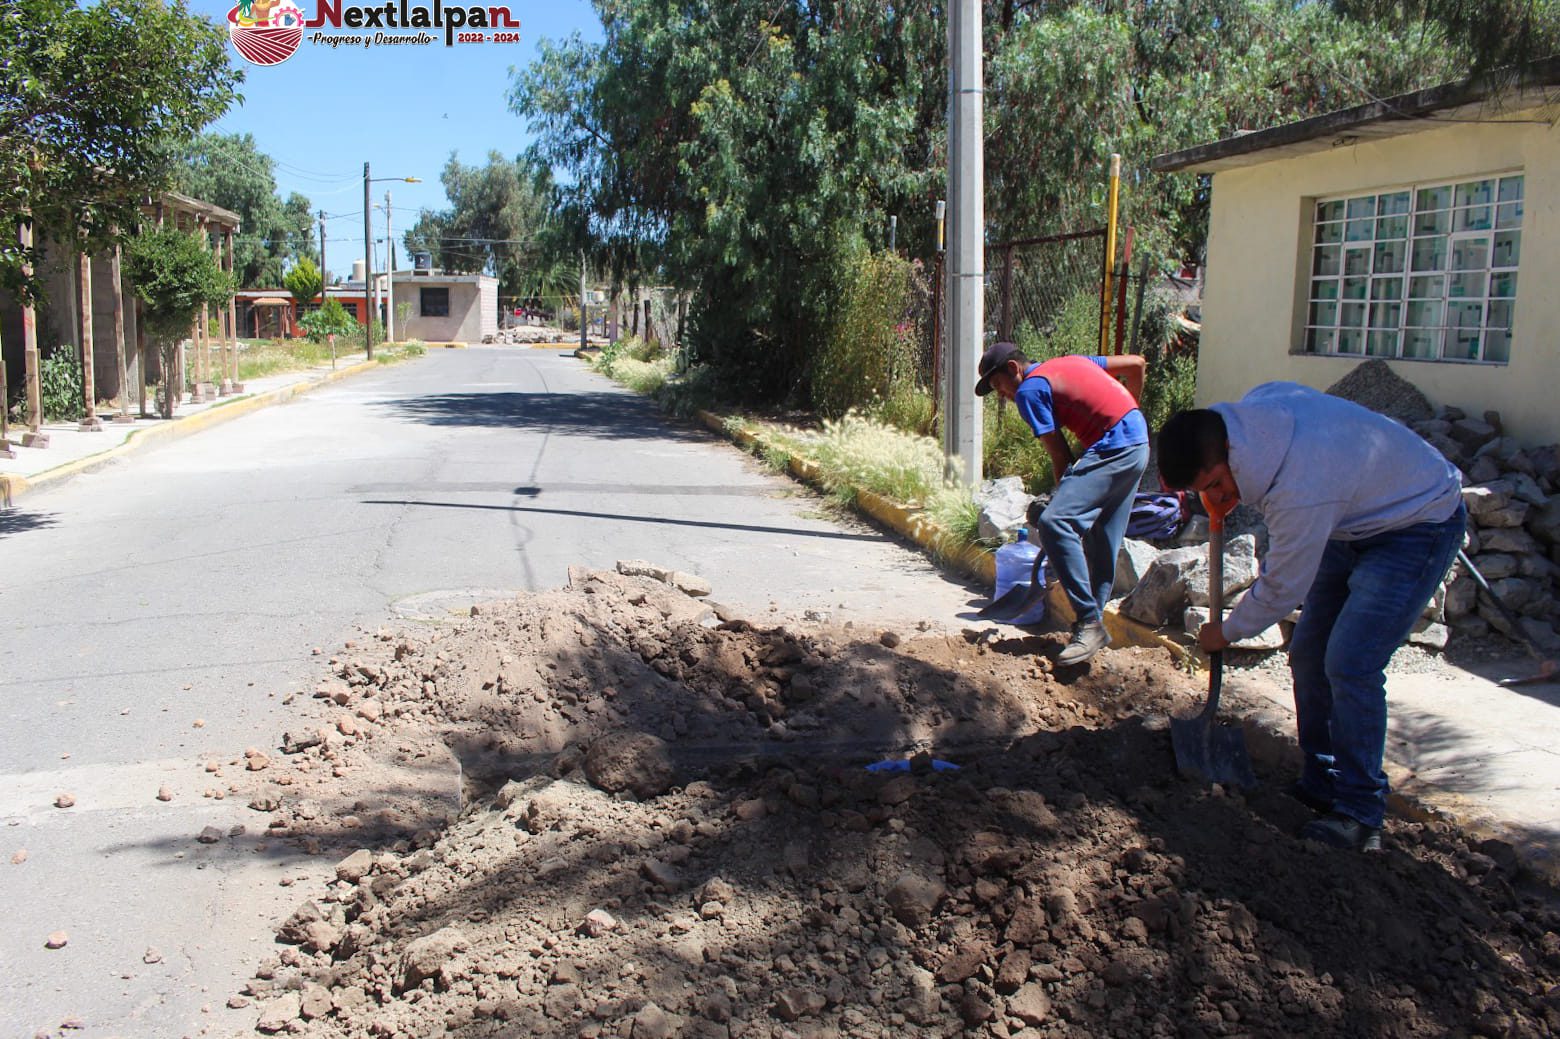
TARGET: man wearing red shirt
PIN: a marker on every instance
(1082, 528)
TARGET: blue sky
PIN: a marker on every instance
(325, 111)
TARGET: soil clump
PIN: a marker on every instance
(665, 826)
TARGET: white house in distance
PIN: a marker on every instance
(445, 308)
(1423, 229)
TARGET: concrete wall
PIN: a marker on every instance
(473, 310)
(1259, 252)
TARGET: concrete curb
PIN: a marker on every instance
(930, 538)
(14, 485)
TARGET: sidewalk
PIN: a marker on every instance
(71, 451)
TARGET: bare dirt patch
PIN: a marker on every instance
(665, 827)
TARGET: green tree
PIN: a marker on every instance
(330, 319)
(494, 223)
(304, 282)
(228, 170)
(94, 102)
(743, 152)
(173, 273)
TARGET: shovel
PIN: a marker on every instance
(1204, 748)
(1017, 600)
(1547, 668)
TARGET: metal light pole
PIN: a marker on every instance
(389, 275)
(368, 257)
(368, 271)
(962, 433)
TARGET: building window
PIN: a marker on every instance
(435, 302)
(1427, 273)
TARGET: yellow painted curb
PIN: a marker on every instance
(14, 485)
(974, 562)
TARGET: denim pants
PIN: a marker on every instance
(1364, 601)
(1081, 529)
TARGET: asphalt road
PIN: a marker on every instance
(156, 612)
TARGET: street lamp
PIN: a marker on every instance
(368, 258)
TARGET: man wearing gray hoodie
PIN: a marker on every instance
(1364, 518)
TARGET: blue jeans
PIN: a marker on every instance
(1082, 527)
(1364, 601)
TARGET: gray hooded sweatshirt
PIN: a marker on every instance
(1320, 468)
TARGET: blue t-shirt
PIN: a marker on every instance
(1034, 407)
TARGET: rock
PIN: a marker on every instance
(293, 928)
(651, 1022)
(1472, 433)
(913, 898)
(640, 568)
(1495, 565)
(1461, 596)
(280, 1013)
(1002, 502)
(794, 1003)
(1427, 632)
(1240, 571)
(152, 955)
(320, 936)
(1483, 470)
(1161, 593)
(56, 940)
(897, 790)
(1030, 1004)
(315, 1002)
(164, 793)
(690, 584)
(209, 835)
(1132, 562)
(1544, 523)
(1374, 385)
(429, 956)
(294, 743)
(889, 639)
(962, 962)
(598, 922)
(1541, 635)
(1271, 637)
(1483, 498)
(636, 762)
(1511, 515)
(355, 867)
(65, 801)
(1525, 488)
(19, 856)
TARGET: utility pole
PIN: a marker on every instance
(583, 322)
(324, 272)
(962, 433)
(389, 275)
(368, 271)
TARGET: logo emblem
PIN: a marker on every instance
(266, 32)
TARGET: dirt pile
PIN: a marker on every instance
(667, 829)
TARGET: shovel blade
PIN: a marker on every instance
(1015, 602)
(1211, 752)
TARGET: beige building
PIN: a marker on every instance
(445, 308)
(1423, 229)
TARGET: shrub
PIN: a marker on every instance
(871, 350)
(61, 385)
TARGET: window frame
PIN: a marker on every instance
(1345, 292)
(422, 300)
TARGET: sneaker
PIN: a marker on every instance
(1087, 640)
(1319, 805)
(1340, 831)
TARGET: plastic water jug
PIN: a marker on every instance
(1015, 567)
(1015, 562)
